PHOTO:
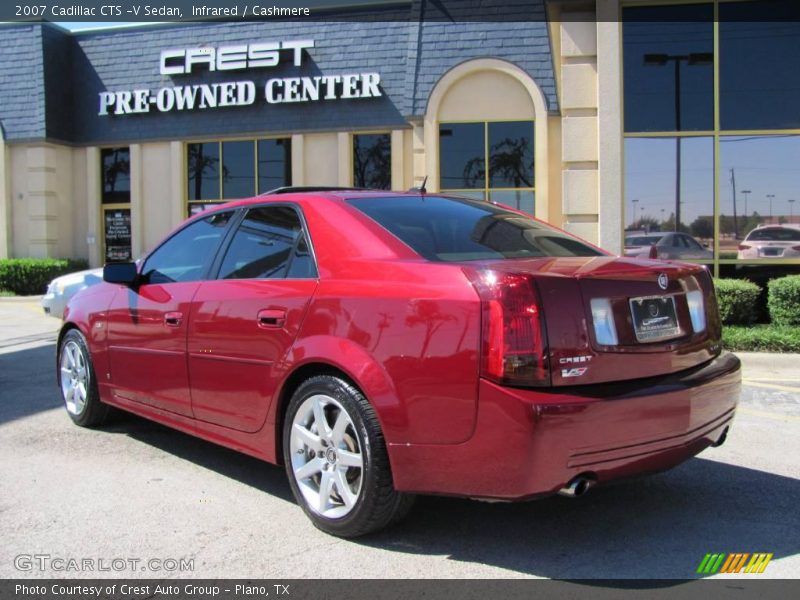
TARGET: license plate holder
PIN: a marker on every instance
(654, 318)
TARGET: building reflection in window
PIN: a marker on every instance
(372, 161)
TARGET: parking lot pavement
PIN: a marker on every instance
(137, 490)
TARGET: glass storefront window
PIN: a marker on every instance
(238, 170)
(510, 155)
(489, 160)
(203, 171)
(668, 68)
(759, 53)
(735, 184)
(116, 164)
(461, 156)
(758, 188)
(218, 171)
(372, 161)
(669, 186)
(274, 164)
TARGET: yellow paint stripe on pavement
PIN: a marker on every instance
(771, 386)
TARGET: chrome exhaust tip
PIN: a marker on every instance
(721, 439)
(577, 487)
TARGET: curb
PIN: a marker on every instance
(766, 365)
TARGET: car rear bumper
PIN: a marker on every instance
(529, 443)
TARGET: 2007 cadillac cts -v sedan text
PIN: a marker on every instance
(383, 344)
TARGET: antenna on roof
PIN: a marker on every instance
(421, 189)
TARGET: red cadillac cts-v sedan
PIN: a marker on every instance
(384, 344)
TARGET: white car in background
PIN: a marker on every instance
(61, 289)
(665, 245)
(771, 241)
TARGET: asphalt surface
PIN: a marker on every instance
(137, 490)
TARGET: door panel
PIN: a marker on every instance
(147, 344)
(238, 331)
(147, 324)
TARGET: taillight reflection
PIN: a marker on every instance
(512, 345)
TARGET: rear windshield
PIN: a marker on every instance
(774, 234)
(642, 240)
(454, 229)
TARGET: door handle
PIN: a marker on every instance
(173, 319)
(271, 317)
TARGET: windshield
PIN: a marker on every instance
(457, 229)
(774, 234)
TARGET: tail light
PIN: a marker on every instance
(744, 246)
(653, 252)
(796, 248)
(512, 333)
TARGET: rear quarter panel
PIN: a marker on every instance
(408, 334)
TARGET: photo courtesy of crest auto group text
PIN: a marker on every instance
(295, 304)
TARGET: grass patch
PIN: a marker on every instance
(6, 294)
(761, 338)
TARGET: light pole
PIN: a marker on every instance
(633, 212)
(745, 193)
(770, 197)
(791, 213)
(661, 60)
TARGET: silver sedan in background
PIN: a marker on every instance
(665, 245)
(61, 289)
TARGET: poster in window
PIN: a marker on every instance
(118, 235)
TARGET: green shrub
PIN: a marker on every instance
(783, 300)
(737, 299)
(761, 338)
(30, 276)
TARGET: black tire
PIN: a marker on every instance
(91, 412)
(378, 504)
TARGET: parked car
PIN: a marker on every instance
(61, 289)
(665, 245)
(382, 344)
(771, 241)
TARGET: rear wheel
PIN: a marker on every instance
(336, 459)
(77, 381)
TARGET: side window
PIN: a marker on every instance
(692, 243)
(187, 254)
(269, 244)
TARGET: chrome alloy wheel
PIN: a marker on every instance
(74, 378)
(326, 456)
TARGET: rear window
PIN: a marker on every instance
(454, 229)
(774, 234)
(642, 240)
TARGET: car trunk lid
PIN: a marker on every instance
(648, 327)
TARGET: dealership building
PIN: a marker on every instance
(596, 116)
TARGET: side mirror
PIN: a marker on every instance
(121, 273)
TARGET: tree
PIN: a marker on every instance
(702, 227)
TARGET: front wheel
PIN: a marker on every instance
(336, 459)
(77, 382)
